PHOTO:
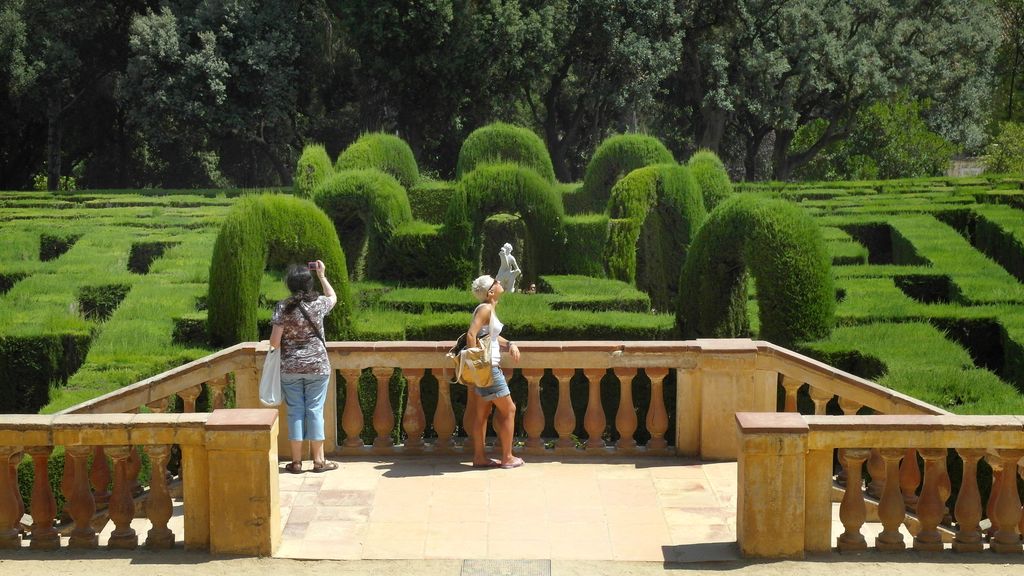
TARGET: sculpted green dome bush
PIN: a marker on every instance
(504, 143)
(313, 167)
(385, 152)
(270, 231)
(711, 176)
(366, 206)
(782, 248)
(614, 158)
(656, 212)
(496, 188)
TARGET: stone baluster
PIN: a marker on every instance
(158, 406)
(67, 480)
(122, 507)
(189, 396)
(13, 471)
(158, 503)
(910, 478)
(891, 510)
(997, 485)
(10, 515)
(383, 415)
(1020, 525)
(930, 505)
(81, 503)
(876, 467)
(791, 386)
(1007, 506)
(99, 475)
(352, 414)
(821, 398)
(594, 421)
(134, 467)
(852, 511)
(414, 420)
(968, 504)
(657, 415)
(625, 416)
(565, 416)
(533, 418)
(44, 505)
(217, 386)
(444, 414)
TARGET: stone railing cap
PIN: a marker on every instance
(242, 419)
(771, 422)
(915, 422)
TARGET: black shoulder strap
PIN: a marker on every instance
(313, 324)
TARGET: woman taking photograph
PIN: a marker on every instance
(305, 370)
(485, 322)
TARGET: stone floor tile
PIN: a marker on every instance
(304, 499)
(345, 497)
(391, 512)
(395, 540)
(633, 514)
(698, 533)
(574, 548)
(518, 528)
(561, 514)
(320, 550)
(511, 549)
(336, 530)
(302, 514)
(638, 541)
(348, 513)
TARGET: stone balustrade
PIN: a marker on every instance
(784, 506)
(224, 467)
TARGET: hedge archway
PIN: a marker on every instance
(385, 152)
(782, 248)
(367, 207)
(270, 231)
(711, 176)
(614, 158)
(495, 188)
(504, 143)
(313, 167)
(656, 212)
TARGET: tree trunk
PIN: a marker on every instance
(781, 166)
(750, 158)
(53, 136)
(713, 130)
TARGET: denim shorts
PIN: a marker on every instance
(498, 387)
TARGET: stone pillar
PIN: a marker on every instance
(1007, 505)
(10, 536)
(533, 419)
(731, 383)
(195, 479)
(565, 416)
(891, 510)
(968, 504)
(625, 416)
(657, 415)
(770, 488)
(414, 421)
(352, 414)
(444, 414)
(243, 478)
(818, 501)
(852, 511)
(791, 386)
(931, 505)
(594, 421)
(81, 504)
(159, 507)
(383, 415)
(688, 406)
(122, 507)
(44, 505)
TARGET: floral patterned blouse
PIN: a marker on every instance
(302, 352)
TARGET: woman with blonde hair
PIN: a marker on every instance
(485, 322)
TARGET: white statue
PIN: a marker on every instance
(508, 270)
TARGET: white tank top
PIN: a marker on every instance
(494, 329)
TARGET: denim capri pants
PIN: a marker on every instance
(498, 387)
(305, 394)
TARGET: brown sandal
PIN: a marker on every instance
(293, 467)
(324, 466)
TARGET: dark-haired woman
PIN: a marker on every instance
(305, 370)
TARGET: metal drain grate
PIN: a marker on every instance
(506, 568)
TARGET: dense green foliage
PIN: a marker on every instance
(782, 248)
(270, 231)
(659, 210)
(1005, 154)
(429, 199)
(585, 239)
(313, 167)
(616, 157)
(504, 143)
(385, 152)
(366, 206)
(711, 176)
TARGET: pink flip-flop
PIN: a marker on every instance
(516, 462)
(492, 463)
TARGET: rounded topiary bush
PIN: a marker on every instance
(314, 166)
(782, 248)
(504, 143)
(614, 158)
(270, 231)
(495, 188)
(366, 206)
(385, 152)
(656, 212)
(712, 177)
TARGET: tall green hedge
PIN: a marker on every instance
(367, 206)
(270, 231)
(782, 248)
(585, 238)
(614, 158)
(504, 143)
(313, 167)
(496, 188)
(385, 152)
(711, 176)
(658, 210)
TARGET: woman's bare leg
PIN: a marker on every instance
(296, 446)
(480, 413)
(504, 425)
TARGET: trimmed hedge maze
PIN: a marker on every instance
(919, 280)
